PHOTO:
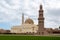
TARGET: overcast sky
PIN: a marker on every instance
(11, 10)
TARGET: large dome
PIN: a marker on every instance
(29, 21)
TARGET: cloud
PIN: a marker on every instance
(8, 13)
(52, 3)
(11, 11)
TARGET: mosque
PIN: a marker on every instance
(26, 27)
(29, 27)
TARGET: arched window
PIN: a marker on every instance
(39, 32)
(42, 33)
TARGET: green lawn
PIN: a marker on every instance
(20, 37)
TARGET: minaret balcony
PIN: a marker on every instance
(40, 10)
(40, 18)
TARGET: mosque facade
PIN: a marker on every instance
(29, 27)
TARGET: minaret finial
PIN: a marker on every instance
(40, 6)
(41, 2)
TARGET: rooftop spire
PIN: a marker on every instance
(22, 18)
(40, 6)
(41, 2)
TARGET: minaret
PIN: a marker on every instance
(22, 18)
(40, 21)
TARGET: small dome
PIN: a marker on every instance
(29, 21)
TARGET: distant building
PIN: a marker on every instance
(2, 31)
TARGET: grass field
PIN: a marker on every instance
(28, 37)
